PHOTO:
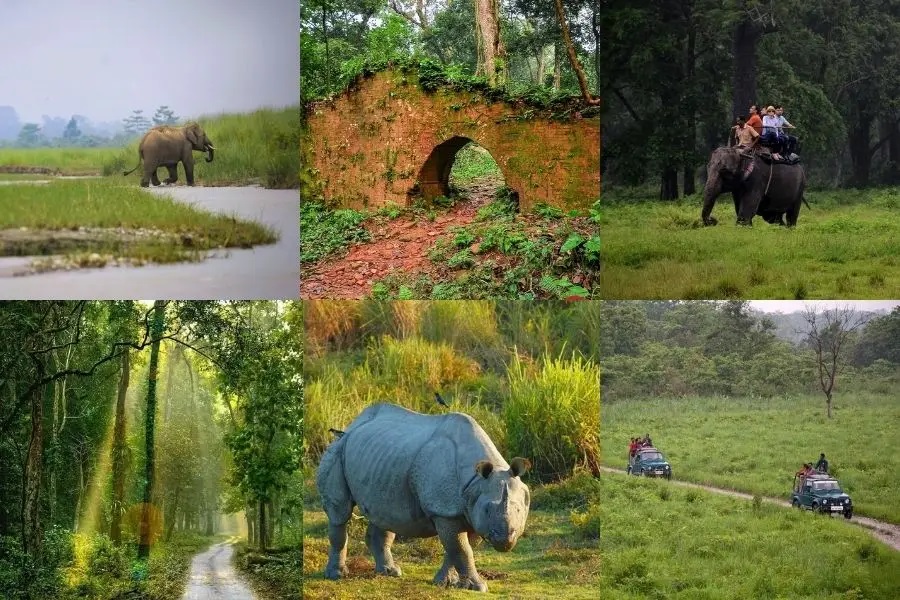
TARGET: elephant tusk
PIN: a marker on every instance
(211, 147)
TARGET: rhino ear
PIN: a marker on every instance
(519, 466)
(484, 468)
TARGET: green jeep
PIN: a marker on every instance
(649, 462)
(821, 493)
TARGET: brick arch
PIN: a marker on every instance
(434, 176)
(386, 137)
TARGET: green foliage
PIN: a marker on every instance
(730, 551)
(324, 232)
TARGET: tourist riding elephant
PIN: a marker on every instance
(771, 191)
(166, 146)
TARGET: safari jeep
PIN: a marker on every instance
(649, 462)
(821, 493)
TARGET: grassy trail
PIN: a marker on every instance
(755, 445)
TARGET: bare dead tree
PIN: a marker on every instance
(828, 336)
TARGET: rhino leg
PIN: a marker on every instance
(337, 553)
(379, 542)
(446, 575)
(453, 536)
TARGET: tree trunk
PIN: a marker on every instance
(263, 529)
(668, 189)
(156, 330)
(32, 535)
(828, 404)
(79, 492)
(491, 51)
(557, 67)
(573, 57)
(747, 34)
(860, 155)
(118, 457)
(892, 177)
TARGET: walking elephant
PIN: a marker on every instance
(166, 146)
(771, 190)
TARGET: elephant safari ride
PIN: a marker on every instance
(759, 184)
(418, 476)
(166, 146)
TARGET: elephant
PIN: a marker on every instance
(770, 190)
(165, 146)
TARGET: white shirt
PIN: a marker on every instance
(771, 123)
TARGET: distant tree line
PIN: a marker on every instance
(674, 348)
(32, 136)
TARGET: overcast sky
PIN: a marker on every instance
(105, 58)
(789, 306)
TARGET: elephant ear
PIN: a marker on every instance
(191, 134)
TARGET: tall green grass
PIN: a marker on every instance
(846, 246)
(662, 541)
(553, 414)
(259, 147)
(757, 444)
(69, 161)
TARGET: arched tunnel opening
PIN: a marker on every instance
(461, 168)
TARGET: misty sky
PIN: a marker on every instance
(104, 58)
(789, 306)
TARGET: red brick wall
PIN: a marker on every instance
(370, 144)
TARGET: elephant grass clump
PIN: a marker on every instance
(553, 415)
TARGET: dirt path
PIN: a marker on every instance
(213, 577)
(886, 532)
(269, 271)
(400, 244)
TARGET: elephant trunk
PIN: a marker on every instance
(209, 153)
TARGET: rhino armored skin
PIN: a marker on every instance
(419, 476)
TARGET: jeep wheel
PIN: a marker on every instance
(848, 514)
(817, 509)
(628, 470)
(795, 503)
(669, 475)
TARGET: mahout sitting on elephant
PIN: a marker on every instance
(758, 185)
(166, 146)
(418, 476)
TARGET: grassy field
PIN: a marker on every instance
(173, 228)
(557, 556)
(277, 575)
(260, 147)
(846, 246)
(664, 542)
(69, 161)
(756, 445)
(251, 148)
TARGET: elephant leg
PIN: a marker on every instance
(154, 178)
(749, 205)
(710, 194)
(793, 213)
(379, 542)
(737, 202)
(149, 175)
(173, 173)
(458, 553)
(189, 169)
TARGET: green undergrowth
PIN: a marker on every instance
(432, 75)
(556, 557)
(755, 445)
(661, 541)
(846, 246)
(502, 254)
(276, 574)
(81, 566)
(472, 162)
(179, 230)
(324, 232)
(251, 148)
(67, 161)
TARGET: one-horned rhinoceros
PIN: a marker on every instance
(418, 476)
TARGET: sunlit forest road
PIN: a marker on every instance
(213, 577)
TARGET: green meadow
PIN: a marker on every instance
(68, 161)
(661, 541)
(846, 246)
(173, 229)
(755, 445)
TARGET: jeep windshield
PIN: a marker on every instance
(826, 486)
(651, 456)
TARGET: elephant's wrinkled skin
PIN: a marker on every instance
(419, 476)
(166, 146)
(785, 190)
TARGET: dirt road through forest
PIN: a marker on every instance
(886, 532)
(213, 577)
